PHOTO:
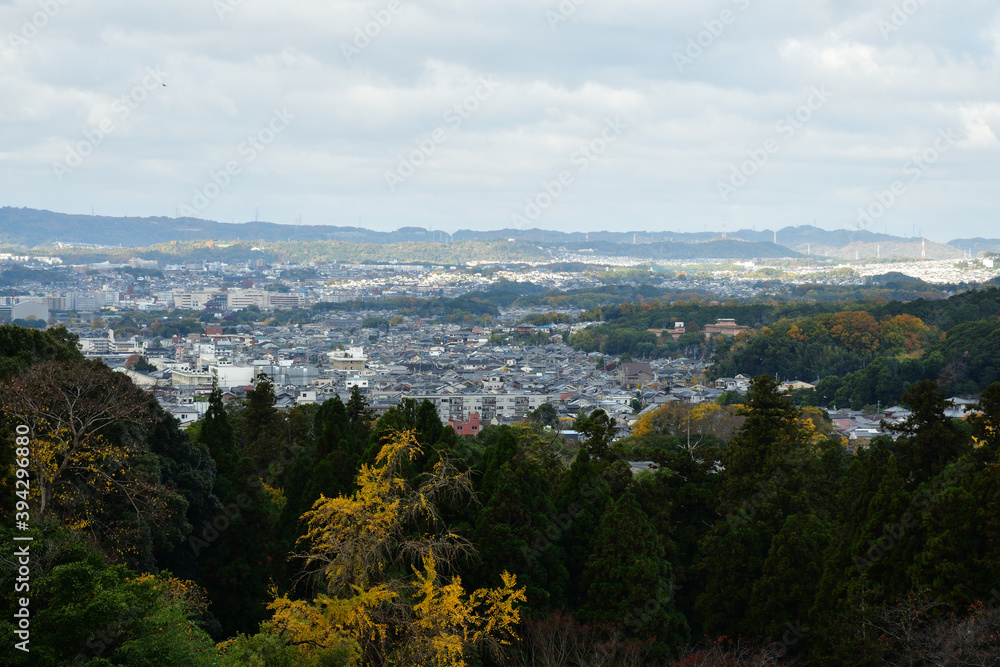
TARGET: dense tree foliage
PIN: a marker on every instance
(324, 536)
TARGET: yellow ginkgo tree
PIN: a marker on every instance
(380, 555)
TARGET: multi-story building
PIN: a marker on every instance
(470, 427)
(351, 359)
(505, 406)
(193, 300)
(285, 300)
(244, 298)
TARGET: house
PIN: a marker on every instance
(470, 427)
(674, 333)
(794, 385)
(726, 384)
(725, 327)
(633, 374)
(307, 397)
(352, 359)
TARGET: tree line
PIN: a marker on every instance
(323, 535)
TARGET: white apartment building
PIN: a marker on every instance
(244, 298)
(460, 406)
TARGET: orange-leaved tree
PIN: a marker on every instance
(380, 555)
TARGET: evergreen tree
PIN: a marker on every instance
(500, 452)
(329, 470)
(789, 577)
(428, 424)
(334, 430)
(769, 441)
(187, 466)
(732, 558)
(949, 563)
(262, 424)
(599, 430)
(629, 579)
(516, 531)
(360, 414)
(579, 505)
(771, 471)
(929, 440)
(842, 594)
(681, 501)
(238, 546)
(217, 435)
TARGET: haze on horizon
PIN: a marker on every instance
(142, 109)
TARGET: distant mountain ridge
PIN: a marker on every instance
(33, 227)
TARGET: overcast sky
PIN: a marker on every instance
(584, 115)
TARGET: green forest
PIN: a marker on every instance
(858, 352)
(323, 536)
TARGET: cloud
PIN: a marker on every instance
(368, 81)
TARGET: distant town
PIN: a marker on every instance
(495, 373)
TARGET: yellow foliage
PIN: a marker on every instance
(192, 597)
(446, 620)
(318, 625)
(677, 418)
(277, 496)
(359, 543)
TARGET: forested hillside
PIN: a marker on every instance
(323, 536)
(861, 351)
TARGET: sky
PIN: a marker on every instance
(573, 115)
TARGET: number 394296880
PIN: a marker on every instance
(22, 484)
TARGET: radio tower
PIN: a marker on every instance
(723, 229)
